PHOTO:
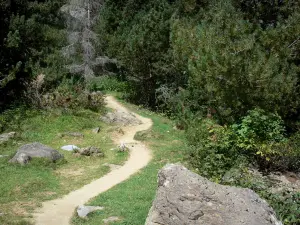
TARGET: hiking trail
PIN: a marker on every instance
(60, 211)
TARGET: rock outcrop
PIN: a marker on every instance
(185, 198)
(35, 150)
(121, 118)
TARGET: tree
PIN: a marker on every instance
(234, 65)
(23, 42)
(81, 15)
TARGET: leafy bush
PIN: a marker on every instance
(258, 133)
(211, 150)
(259, 137)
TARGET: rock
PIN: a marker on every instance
(96, 130)
(6, 137)
(35, 150)
(2, 156)
(70, 147)
(122, 118)
(111, 219)
(122, 147)
(23, 159)
(90, 151)
(185, 198)
(83, 210)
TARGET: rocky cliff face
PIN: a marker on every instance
(185, 198)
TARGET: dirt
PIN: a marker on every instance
(60, 211)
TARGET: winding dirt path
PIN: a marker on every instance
(60, 211)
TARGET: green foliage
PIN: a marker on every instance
(108, 83)
(227, 57)
(259, 132)
(212, 151)
(140, 41)
(30, 32)
(11, 119)
(224, 153)
(286, 205)
(72, 98)
(259, 137)
(231, 69)
(261, 125)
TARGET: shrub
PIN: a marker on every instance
(258, 133)
(73, 98)
(259, 137)
(211, 150)
(69, 95)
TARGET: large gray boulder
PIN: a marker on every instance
(185, 198)
(35, 150)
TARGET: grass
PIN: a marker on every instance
(132, 199)
(23, 188)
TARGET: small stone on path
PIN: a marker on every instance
(111, 219)
(70, 147)
(84, 210)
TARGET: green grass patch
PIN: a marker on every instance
(23, 188)
(132, 199)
